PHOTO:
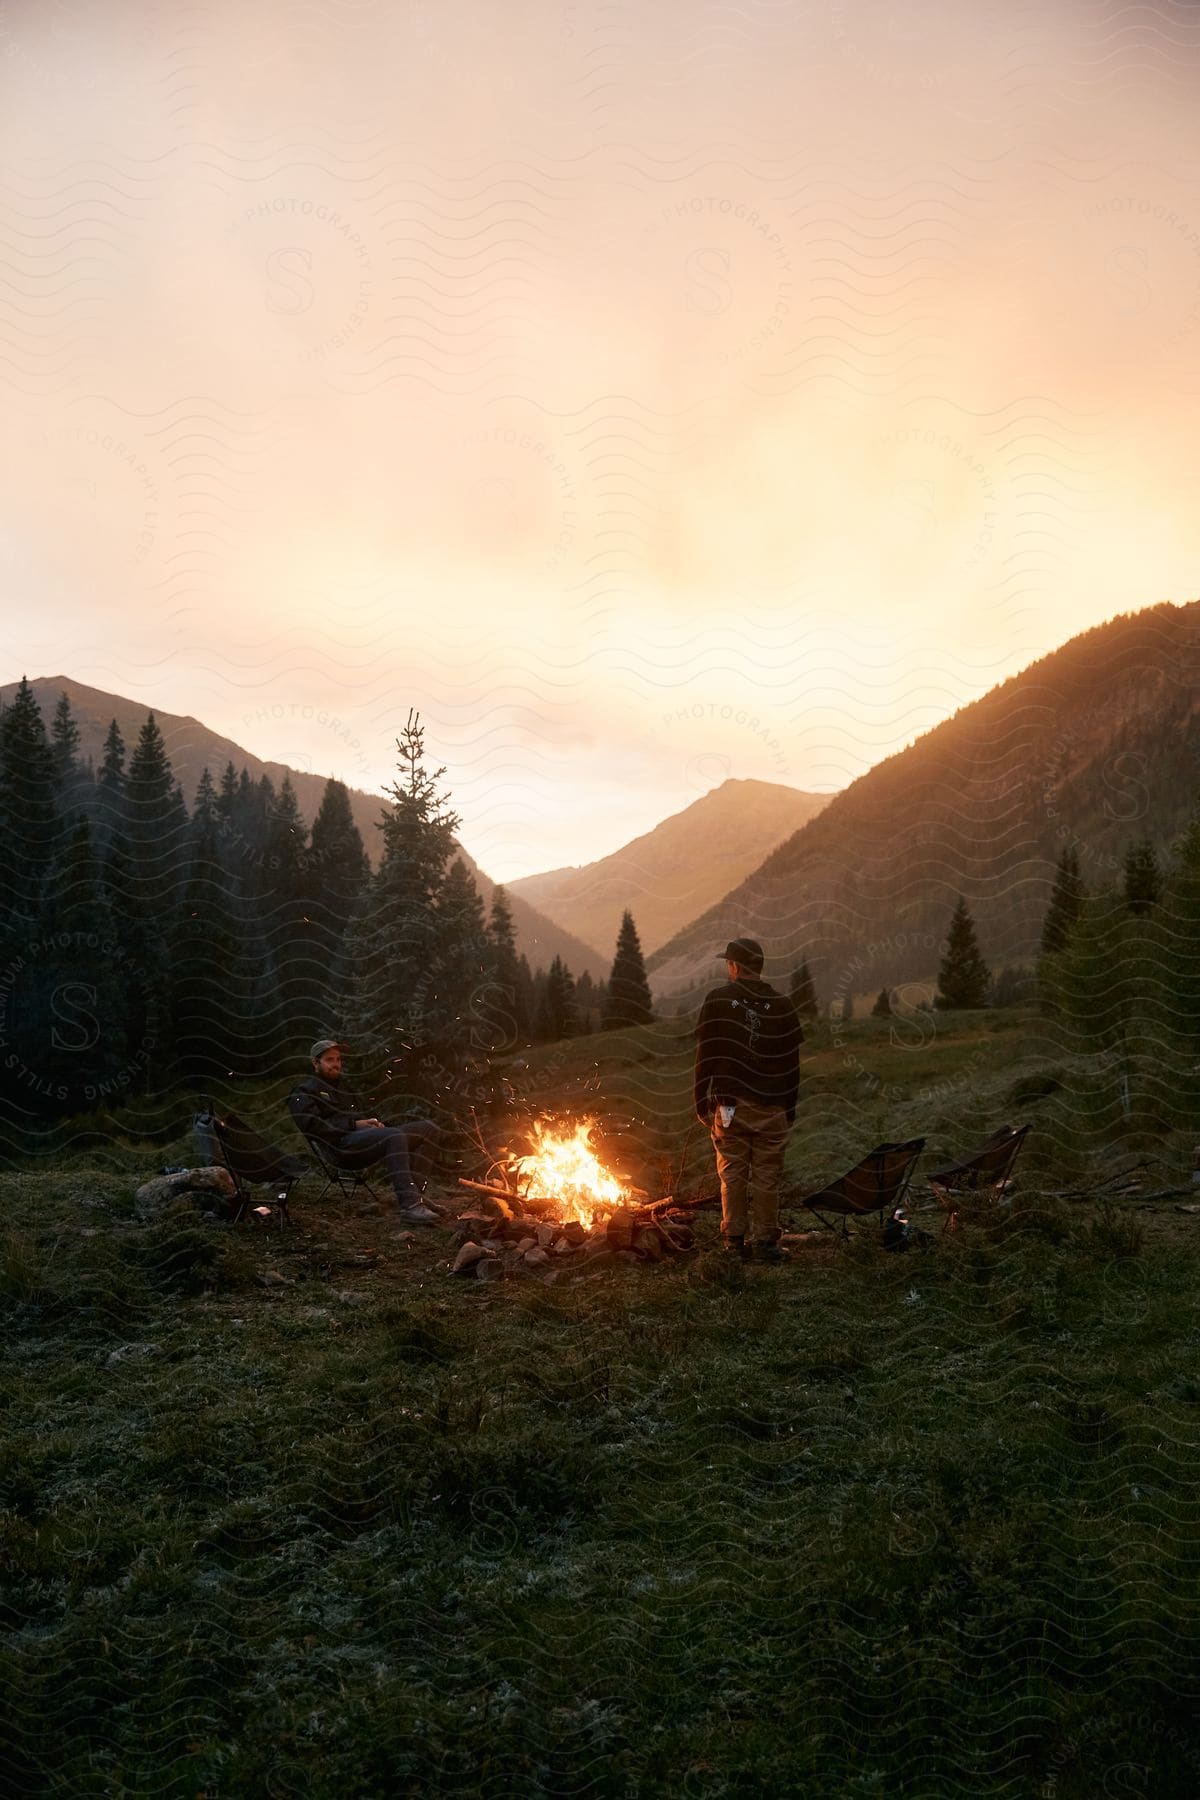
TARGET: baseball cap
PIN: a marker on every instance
(744, 951)
(322, 1045)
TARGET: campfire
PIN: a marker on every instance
(563, 1168)
(559, 1200)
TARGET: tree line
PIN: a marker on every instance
(146, 945)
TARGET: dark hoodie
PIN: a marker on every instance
(748, 1040)
(326, 1110)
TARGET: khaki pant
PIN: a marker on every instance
(749, 1162)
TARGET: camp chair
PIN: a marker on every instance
(875, 1185)
(337, 1174)
(252, 1162)
(985, 1175)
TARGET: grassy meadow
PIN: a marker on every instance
(298, 1514)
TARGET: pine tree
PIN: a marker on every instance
(585, 1001)
(227, 798)
(336, 853)
(804, 991)
(214, 962)
(338, 872)
(146, 876)
(74, 780)
(396, 930)
(882, 1008)
(964, 977)
(112, 769)
(1143, 878)
(558, 1012)
(628, 990)
(1066, 901)
(110, 796)
(283, 895)
(458, 980)
(155, 829)
(508, 1007)
(63, 1012)
(28, 807)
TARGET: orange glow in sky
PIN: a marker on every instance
(646, 394)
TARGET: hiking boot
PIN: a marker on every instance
(735, 1246)
(769, 1253)
(418, 1214)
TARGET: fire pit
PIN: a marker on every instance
(558, 1200)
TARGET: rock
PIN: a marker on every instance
(546, 1235)
(349, 1299)
(468, 1256)
(165, 1188)
(537, 1257)
(270, 1278)
(489, 1269)
(564, 1247)
(575, 1232)
(526, 1243)
(315, 1314)
(648, 1242)
(619, 1230)
(404, 1237)
(358, 1259)
(130, 1353)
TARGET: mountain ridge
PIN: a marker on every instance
(1094, 744)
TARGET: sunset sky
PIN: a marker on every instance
(647, 391)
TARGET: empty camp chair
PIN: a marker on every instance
(336, 1173)
(984, 1175)
(252, 1162)
(875, 1185)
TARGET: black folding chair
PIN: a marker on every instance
(985, 1175)
(252, 1162)
(875, 1185)
(337, 1174)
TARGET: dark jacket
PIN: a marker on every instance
(327, 1112)
(748, 1040)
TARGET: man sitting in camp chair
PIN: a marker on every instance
(340, 1120)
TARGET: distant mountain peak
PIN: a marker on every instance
(675, 870)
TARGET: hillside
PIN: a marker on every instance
(1094, 745)
(192, 747)
(669, 875)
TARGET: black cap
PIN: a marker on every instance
(744, 951)
(318, 1049)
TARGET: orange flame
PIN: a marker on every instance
(563, 1167)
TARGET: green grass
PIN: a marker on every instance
(862, 1525)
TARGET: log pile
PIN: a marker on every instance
(521, 1234)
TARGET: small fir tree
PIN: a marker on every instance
(882, 1008)
(628, 990)
(395, 933)
(558, 1014)
(507, 1009)
(964, 977)
(1066, 902)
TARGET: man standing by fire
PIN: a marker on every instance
(748, 1040)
